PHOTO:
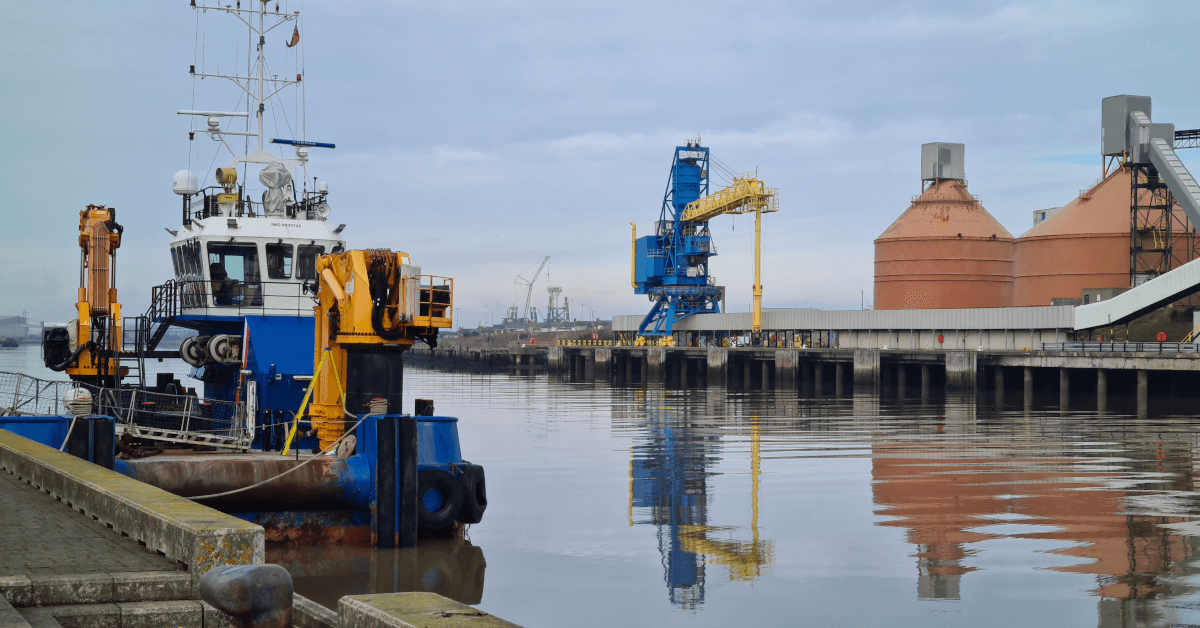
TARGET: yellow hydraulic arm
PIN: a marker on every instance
(747, 194)
(372, 305)
(98, 320)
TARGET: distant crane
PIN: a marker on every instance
(671, 266)
(530, 312)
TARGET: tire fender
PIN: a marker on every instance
(474, 493)
(451, 489)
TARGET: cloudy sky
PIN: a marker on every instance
(482, 136)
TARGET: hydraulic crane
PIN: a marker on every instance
(671, 266)
(89, 348)
(372, 306)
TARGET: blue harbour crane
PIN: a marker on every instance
(671, 266)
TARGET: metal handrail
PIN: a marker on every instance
(1124, 347)
(236, 299)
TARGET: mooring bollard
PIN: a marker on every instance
(256, 596)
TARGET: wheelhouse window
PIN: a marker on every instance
(279, 261)
(185, 259)
(306, 260)
(234, 275)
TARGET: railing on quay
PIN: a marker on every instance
(586, 343)
(1124, 347)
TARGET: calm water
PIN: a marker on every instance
(706, 507)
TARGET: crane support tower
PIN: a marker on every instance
(671, 266)
(372, 306)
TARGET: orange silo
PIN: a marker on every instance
(945, 250)
(1085, 245)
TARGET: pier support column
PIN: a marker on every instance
(1143, 393)
(960, 370)
(1064, 389)
(901, 379)
(839, 370)
(1101, 391)
(622, 370)
(747, 373)
(1028, 400)
(656, 358)
(718, 362)
(588, 366)
(683, 372)
(554, 360)
(998, 382)
(766, 375)
(806, 378)
(602, 362)
(866, 368)
(785, 368)
(818, 378)
(924, 382)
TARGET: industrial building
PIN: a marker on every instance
(949, 276)
(945, 251)
(20, 327)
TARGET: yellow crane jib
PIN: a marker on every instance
(95, 336)
(372, 306)
(747, 194)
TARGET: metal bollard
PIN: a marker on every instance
(256, 596)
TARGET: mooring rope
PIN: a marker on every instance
(295, 468)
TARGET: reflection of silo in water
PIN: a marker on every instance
(669, 477)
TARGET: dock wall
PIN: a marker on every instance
(182, 530)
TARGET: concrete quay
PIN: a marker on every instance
(836, 371)
(81, 545)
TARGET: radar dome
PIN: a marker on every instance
(185, 183)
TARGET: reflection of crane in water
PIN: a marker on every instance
(668, 475)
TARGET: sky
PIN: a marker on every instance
(481, 137)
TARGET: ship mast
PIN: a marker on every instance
(255, 87)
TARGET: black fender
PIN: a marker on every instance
(474, 493)
(440, 480)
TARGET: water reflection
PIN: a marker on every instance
(668, 488)
(450, 567)
(1045, 484)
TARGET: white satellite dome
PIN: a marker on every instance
(185, 183)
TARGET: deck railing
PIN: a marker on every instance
(149, 414)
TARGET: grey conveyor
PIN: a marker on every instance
(1170, 286)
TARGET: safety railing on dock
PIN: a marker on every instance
(585, 343)
(1124, 347)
